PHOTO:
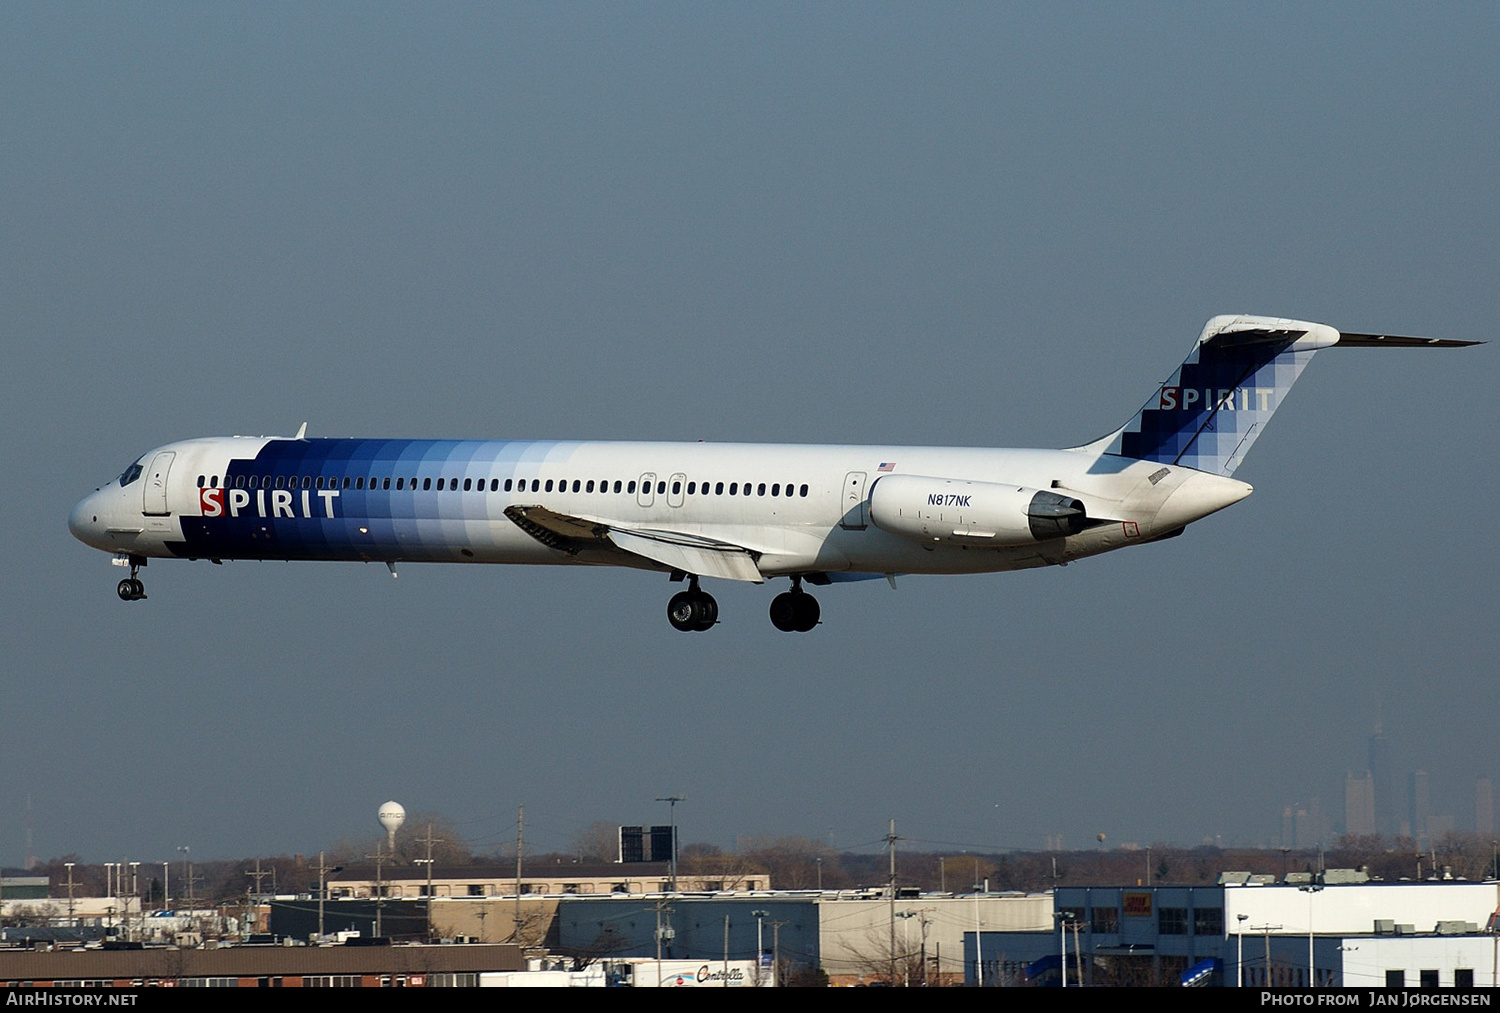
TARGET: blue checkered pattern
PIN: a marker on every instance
(1216, 404)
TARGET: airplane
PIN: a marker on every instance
(749, 512)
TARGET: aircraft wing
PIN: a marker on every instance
(696, 554)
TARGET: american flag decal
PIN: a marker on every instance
(887, 466)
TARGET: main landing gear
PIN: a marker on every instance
(692, 610)
(131, 588)
(794, 611)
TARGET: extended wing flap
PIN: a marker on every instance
(690, 554)
(695, 554)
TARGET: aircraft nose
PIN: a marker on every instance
(83, 521)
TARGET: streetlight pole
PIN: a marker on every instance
(1062, 931)
(1310, 889)
(760, 941)
(109, 893)
(906, 917)
(1239, 969)
(135, 891)
(978, 933)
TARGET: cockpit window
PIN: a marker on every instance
(131, 474)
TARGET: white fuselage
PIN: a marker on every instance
(793, 509)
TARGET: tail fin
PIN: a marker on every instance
(1219, 400)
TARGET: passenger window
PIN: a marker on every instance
(776, 489)
(200, 481)
(590, 486)
(617, 485)
(676, 488)
(549, 485)
(575, 485)
(718, 488)
(661, 486)
(426, 484)
(734, 488)
(467, 484)
(803, 492)
(631, 489)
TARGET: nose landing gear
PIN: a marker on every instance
(131, 588)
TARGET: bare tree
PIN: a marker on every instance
(795, 863)
(598, 842)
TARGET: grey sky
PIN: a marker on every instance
(992, 225)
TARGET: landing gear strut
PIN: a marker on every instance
(692, 610)
(131, 588)
(794, 611)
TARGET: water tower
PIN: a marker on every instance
(391, 817)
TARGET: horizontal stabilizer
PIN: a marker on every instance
(1348, 340)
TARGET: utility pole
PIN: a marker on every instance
(776, 953)
(890, 840)
(379, 857)
(429, 841)
(187, 866)
(520, 828)
(1267, 930)
(672, 801)
(258, 874)
(323, 871)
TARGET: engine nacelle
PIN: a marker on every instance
(974, 513)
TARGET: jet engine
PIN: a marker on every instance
(975, 513)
